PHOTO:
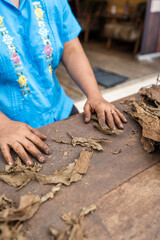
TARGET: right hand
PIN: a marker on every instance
(21, 138)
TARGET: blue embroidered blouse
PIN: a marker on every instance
(31, 45)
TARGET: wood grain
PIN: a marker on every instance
(131, 211)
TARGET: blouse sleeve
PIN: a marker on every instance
(71, 27)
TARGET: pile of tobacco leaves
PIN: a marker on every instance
(146, 110)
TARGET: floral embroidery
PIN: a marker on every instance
(15, 58)
(8, 40)
(48, 50)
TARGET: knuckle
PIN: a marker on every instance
(101, 105)
(101, 116)
(34, 137)
(3, 148)
(110, 118)
(85, 108)
(18, 149)
(29, 146)
(34, 131)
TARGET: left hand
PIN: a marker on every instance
(106, 112)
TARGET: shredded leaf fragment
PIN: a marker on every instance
(76, 225)
(12, 218)
(117, 151)
(105, 130)
(92, 143)
(19, 175)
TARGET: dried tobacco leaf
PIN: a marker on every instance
(19, 175)
(90, 142)
(65, 176)
(66, 154)
(105, 130)
(55, 234)
(152, 93)
(11, 232)
(5, 202)
(150, 123)
(76, 231)
(12, 218)
(148, 116)
(72, 173)
(29, 204)
(62, 176)
(60, 141)
(54, 231)
(19, 167)
(152, 110)
(50, 195)
(148, 144)
(117, 151)
(86, 210)
(83, 163)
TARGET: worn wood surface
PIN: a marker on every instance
(106, 174)
(131, 211)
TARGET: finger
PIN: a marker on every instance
(30, 147)
(117, 120)
(110, 120)
(87, 113)
(35, 131)
(101, 117)
(6, 153)
(18, 148)
(38, 142)
(121, 116)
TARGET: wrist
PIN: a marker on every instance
(96, 94)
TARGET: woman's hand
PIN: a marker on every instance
(106, 112)
(21, 138)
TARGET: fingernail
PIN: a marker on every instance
(47, 151)
(29, 162)
(41, 159)
(102, 123)
(10, 163)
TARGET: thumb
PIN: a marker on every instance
(87, 113)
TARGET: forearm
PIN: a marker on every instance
(79, 68)
(3, 117)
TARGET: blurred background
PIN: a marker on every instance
(122, 41)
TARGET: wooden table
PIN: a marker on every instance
(125, 187)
